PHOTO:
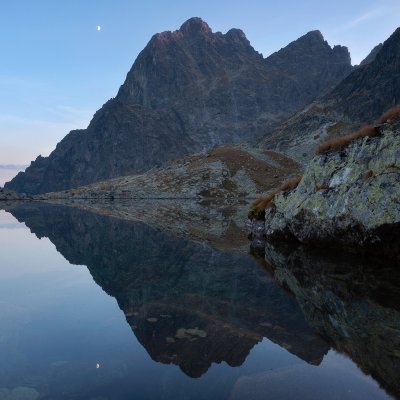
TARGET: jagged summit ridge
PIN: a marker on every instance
(188, 91)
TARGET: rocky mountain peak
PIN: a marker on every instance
(188, 91)
(309, 48)
(194, 26)
(371, 56)
(315, 36)
(371, 90)
(236, 35)
(390, 50)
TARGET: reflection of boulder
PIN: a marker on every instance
(187, 303)
(354, 303)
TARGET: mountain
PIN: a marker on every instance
(371, 89)
(189, 90)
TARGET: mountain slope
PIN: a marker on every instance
(229, 171)
(371, 89)
(188, 91)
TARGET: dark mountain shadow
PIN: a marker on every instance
(187, 303)
(353, 302)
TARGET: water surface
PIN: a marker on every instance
(98, 307)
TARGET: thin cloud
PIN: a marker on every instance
(363, 18)
(13, 166)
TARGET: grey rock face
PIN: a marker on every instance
(188, 90)
(349, 197)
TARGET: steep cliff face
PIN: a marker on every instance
(361, 97)
(349, 197)
(187, 91)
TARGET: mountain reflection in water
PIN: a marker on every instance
(353, 302)
(193, 304)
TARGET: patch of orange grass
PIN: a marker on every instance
(391, 115)
(339, 143)
(368, 174)
(322, 186)
(342, 142)
(268, 201)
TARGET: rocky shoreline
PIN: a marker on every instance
(348, 197)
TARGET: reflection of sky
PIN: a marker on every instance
(61, 332)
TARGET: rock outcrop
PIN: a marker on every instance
(188, 90)
(371, 89)
(227, 172)
(348, 196)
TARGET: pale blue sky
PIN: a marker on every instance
(56, 69)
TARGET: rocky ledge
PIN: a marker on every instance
(349, 195)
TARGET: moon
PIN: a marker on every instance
(98, 28)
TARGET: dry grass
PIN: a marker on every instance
(368, 174)
(391, 115)
(258, 208)
(323, 186)
(341, 142)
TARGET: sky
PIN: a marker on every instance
(57, 68)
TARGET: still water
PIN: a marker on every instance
(98, 307)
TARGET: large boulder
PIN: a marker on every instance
(349, 196)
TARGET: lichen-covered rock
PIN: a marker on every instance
(350, 196)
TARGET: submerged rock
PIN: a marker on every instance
(350, 197)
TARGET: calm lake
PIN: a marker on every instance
(148, 302)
